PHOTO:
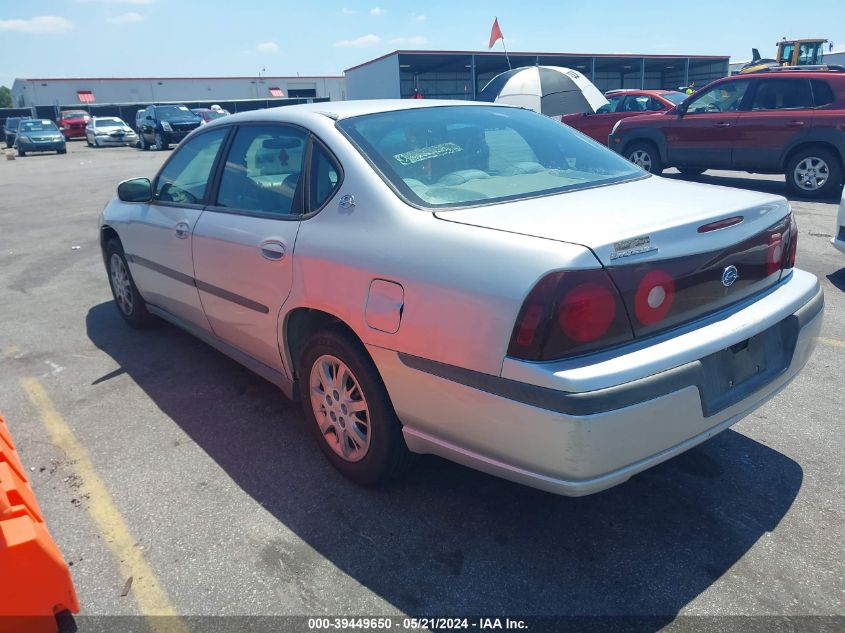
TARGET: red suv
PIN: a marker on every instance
(622, 104)
(73, 122)
(787, 122)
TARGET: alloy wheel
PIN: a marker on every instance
(641, 158)
(811, 173)
(340, 408)
(121, 284)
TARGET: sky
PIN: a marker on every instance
(142, 38)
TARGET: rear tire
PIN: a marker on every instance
(814, 172)
(21, 152)
(691, 171)
(645, 156)
(127, 299)
(358, 430)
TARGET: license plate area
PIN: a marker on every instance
(732, 374)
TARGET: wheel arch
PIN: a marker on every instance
(300, 324)
(107, 233)
(790, 153)
(646, 135)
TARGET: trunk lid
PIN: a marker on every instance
(648, 236)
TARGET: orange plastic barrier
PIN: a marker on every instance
(35, 582)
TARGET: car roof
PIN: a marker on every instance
(345, 109)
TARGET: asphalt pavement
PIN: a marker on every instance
(235, 511)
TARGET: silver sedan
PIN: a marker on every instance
(109, 131)
(470, 280)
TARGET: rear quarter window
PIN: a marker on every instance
(822, 92)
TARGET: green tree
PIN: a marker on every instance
(5, 97)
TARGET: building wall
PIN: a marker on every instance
(376, 80)
(29, 92)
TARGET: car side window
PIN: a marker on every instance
(263, 170)
(184, 178)
(637, 103)
(612, 106)
(726, 97)
(822, 92)
(782, 94)
(324, 177)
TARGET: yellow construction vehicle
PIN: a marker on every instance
(790, 53)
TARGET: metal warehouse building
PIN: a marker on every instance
(87, 90)
(462, 74)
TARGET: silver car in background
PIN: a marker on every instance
(471, 280)
(103, 131)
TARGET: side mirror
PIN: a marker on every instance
(681, 108)
(135, 190)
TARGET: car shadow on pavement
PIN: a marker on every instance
(763, 185)
(838, 279)
(447, 540)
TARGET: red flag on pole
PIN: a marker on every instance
(495, 33)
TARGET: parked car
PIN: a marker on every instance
(790, 122)
(109, 130)
(73, 123)
(208, 114)
(838, 240)
(39, 135)
(160, 126)
(622, 104)
(11, 127)
(471, 280)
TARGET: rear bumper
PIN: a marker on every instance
(577, 443)
(74, 132)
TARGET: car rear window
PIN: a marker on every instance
(822, 92)
(458, 156)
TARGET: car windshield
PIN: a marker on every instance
(74, 114)
(37, 126)
(111, 122)
(215, 114)
(172, 112)
(455, 156)
(674, 97)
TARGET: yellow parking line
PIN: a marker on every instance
(831, 341)
(148, 592)
(9, 351)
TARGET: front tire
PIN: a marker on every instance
(142, 144)
(61, 151)
(348, 409)
(21, 152)
(161, 144)
(645, 156)
(128, 300)
(814, 172)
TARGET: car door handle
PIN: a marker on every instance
(722, 124)
(183, 230)
(272, 250)
(795, 123)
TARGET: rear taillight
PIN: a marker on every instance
(567, 314)
(655, 296)
(774, 253)
(792, 244)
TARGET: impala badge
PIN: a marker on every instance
(729, 276)
(633, 246)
